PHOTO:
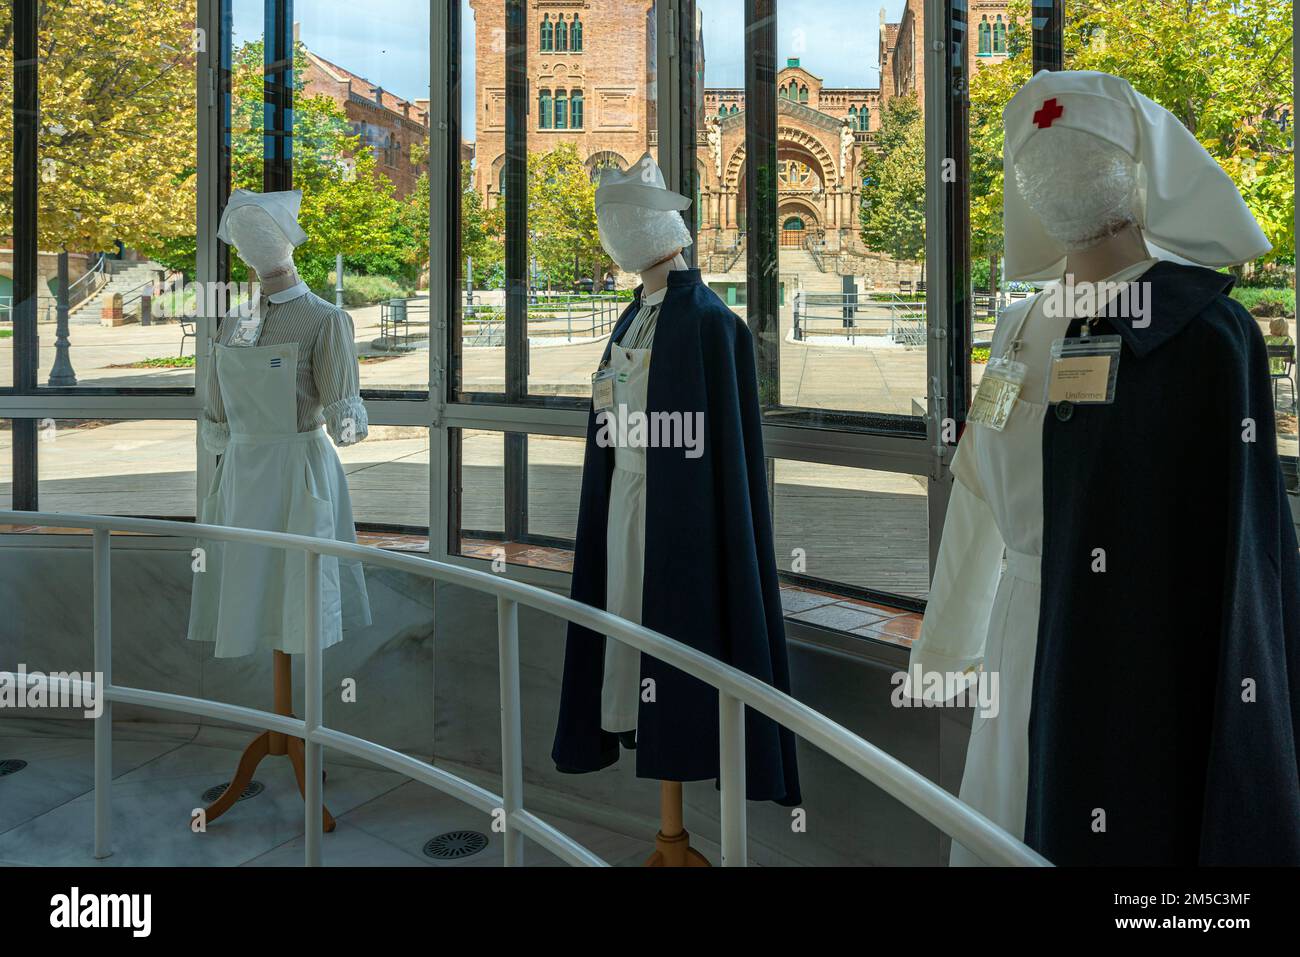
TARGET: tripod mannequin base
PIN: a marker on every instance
(270, 743)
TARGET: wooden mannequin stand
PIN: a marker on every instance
(672, 843)
(274, 743)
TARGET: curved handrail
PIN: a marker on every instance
(736, 689)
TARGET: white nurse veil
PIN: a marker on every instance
(1186, 205)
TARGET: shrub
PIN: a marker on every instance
(1266, 303)
(365, 290)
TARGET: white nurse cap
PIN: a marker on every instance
(1186, 203)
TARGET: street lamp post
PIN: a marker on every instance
(61, 374)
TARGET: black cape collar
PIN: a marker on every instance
(1176, 294)
(676, 279)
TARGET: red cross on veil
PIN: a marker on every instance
(1048, 114)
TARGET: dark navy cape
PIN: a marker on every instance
(1141, 705)
(710, 566)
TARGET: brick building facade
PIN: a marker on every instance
(392, 128)
(591, 83)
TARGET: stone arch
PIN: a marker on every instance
(808, 142)
(786, 136)
(735, 166)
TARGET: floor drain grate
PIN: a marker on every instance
(11, 766)
(211, 794)
(455, 845)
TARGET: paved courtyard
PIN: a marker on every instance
(862, 527)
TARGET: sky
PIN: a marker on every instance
(386, 40)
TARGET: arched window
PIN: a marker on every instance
(864, 119)
(803, 94)
(575, 35)
(548, 32)
(734, 109)
(501, 182)
(561, 34)
(999, 36)
(575, 109)
(793, 222)
(561, 111)
(722, 111)
(986, 38)
(605, 159)
(544, 109)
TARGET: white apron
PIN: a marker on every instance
(625, 544)
(249, 598)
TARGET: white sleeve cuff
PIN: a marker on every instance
(346, 420)
(215, 435)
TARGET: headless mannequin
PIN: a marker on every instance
(269, 255)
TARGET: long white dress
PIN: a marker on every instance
(625, 527)
(979, 615)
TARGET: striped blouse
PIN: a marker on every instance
(640, 332)
(329, 381)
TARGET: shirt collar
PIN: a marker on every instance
(284, 295)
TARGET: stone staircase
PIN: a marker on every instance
(799, 271)
(125, 279)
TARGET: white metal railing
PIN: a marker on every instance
(736, 691)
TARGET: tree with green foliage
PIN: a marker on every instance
(1223, 67)
(892, 212)
(482, 233)
(115, 148)
(562, 218)
(348, 206)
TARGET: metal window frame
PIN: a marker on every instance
(674, 66)
(882, 448)
(25, 402)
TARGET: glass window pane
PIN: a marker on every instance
(856, 527)
(477, 343)
(388, 478)
(850, 206)
(1230, 80)
(590, 100)
(107, 467)
(360, 156)
(995, 73)
(116, 188)
(518, 497)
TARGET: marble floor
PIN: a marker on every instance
(160, 772)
